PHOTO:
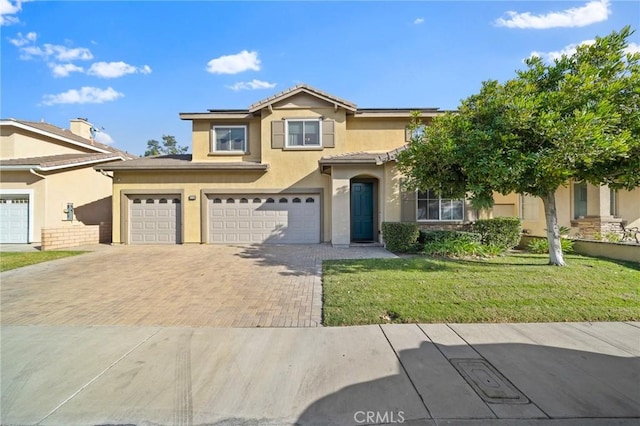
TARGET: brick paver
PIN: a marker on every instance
(190, 285)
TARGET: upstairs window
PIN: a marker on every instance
(229, 139)
(434, 208)
(303, 133)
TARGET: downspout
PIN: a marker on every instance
(33, 238)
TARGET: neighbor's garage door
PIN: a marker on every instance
(14, 219)
(154, 219)
(278, 219)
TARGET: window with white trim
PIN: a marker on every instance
(303, 133)
(613, 202)
(431, 207)
(528, 207)
(229, 139)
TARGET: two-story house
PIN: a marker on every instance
(302, 166)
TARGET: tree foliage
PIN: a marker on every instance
(168, 146)
(577, 118)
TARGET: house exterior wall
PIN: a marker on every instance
(289, 169)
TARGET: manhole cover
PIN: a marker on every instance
(488, 382)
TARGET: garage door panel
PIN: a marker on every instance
(154, 219)
(14, 219)
(264, 219)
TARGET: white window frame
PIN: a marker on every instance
(286, 133)
(235, 126)
(440, 199)
(532, 201)
(613, 200)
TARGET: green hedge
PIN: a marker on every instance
(427, 236)
(504, 232)
(400, 237)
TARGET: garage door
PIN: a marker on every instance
(154, 219)
(14, 219)
(277, 219)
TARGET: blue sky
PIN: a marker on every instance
(132, 67)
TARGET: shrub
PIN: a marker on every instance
(503, 232)
(437, 236)
(400, 237)
(541, 245)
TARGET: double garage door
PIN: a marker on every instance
(249, 219)
(14, 219)
(275, 219)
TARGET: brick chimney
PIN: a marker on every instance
(81, 127)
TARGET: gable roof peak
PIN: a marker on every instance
(299, 88)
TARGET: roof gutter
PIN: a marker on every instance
(31, 167)
(36, 173)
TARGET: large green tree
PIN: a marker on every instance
(577, 118)
(168, 146)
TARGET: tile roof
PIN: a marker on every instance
(65, 133)
(302, 88)
(179, 162)
(361, 157)
(60, 161)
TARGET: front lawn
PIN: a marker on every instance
(13, 260)
(513, 288)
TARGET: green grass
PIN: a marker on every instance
(513, 288)
(13, 260)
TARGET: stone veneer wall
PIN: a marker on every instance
(75, 235)
(589, 227)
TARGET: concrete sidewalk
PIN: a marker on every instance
(435, 374)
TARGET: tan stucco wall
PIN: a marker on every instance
(629, 207)
(289, 169)
(23, 144)
(88, 190)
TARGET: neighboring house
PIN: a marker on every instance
(47, 180)
(302, 166)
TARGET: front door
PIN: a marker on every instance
(362, 211)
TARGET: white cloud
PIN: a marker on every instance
(233, 64)
(419, 21)
(9, 8)
(58, 52)
(115, 69)
(21, 40)
(86, 95)
(592, 12)
(104, 138)
(557, 54)
(632, 48)
(252, 85)
(63, 70)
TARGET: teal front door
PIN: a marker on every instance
(361, 211)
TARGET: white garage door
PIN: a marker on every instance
(154, 219)
(14, 219)
(276, 219)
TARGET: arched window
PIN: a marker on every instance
(230, 201)
(163, 201)
(137, 201)
(243, 201)
(217, 201)
(297, 200)
(270, 200)
(150, 201)
(283, 200)
(257, 200)
(310, 200)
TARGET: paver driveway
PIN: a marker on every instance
(190, 285)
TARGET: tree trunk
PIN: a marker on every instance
(553, 233)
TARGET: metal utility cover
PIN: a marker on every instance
(488, 382)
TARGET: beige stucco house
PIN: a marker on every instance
(47, 180)
(302, 166)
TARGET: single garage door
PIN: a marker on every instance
(154, 219)
(276, 219)
(14, 219)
